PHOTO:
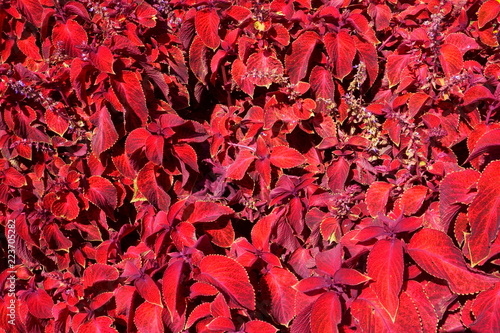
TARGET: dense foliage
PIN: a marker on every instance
(250, 166)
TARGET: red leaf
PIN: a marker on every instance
(463, 42)
(146, 15)
(97, 325)
(298, 61)
(66, 206)
(222, 324)
(102, 193)
(154, 148)
(323, 87)
(451, 59)
(369, 314)
(412, 199)
(153, 183)
(207, 27)
(29, 48)
(103, 59)
(455, 189)
(172, 288)
(425, 308)
(104, 135)
(240, 76)
(136, 140)
(40, 304)
(484, 213)
(127, 86)
(238, 169)
(368, 54)
(486, 308)
(408, 319)
(477, 93)
(206, 211)
(148, 318)
(488, 142)
(381, 14)
(230, 278)
(326, 313)
(341, 49)
(32, 10)
(386, 266)
(258, 326)
(284, 157)
(69, 37)
(278, 285)
(97, 273)
(55, 239)
(434, 252)
(377, 197)
(349, 276)
(416, 102)
(396, 63)
(198, 59)
(148, 290)
(187, 155)
(487, 12)
(267, 69)
(239, 13)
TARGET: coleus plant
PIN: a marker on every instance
(251, 166)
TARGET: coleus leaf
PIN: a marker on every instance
(237, 170)
(105, 134)
(267, 69)
(172, 288)
(488, 11)
(66, 206)
(434, 252)
(326, 313)
(55, 239)
(369, 314)
(99, 272)
(259, 326)
(148, 318)
(207, 211)
(12, 177)
(148, 290)
(455, 189)
(477, 93)
(100, 324)
(377, 197)
(412, 199)
(32, 10)
(127, 87)
(207, 27)
(385, 265)
(341, 49)
(396, 63)
(102, 193)
(103, 59)
(151, 181)
(486, 309)
(230, 278)
(488, 142)
(278, 284)
(39, 304)
(285, 157)
(323, 87)
(297, 62)
(56, 122)
(484, 214)
(451, 59)
(70, 37)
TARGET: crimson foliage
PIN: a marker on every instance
(251, 166)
